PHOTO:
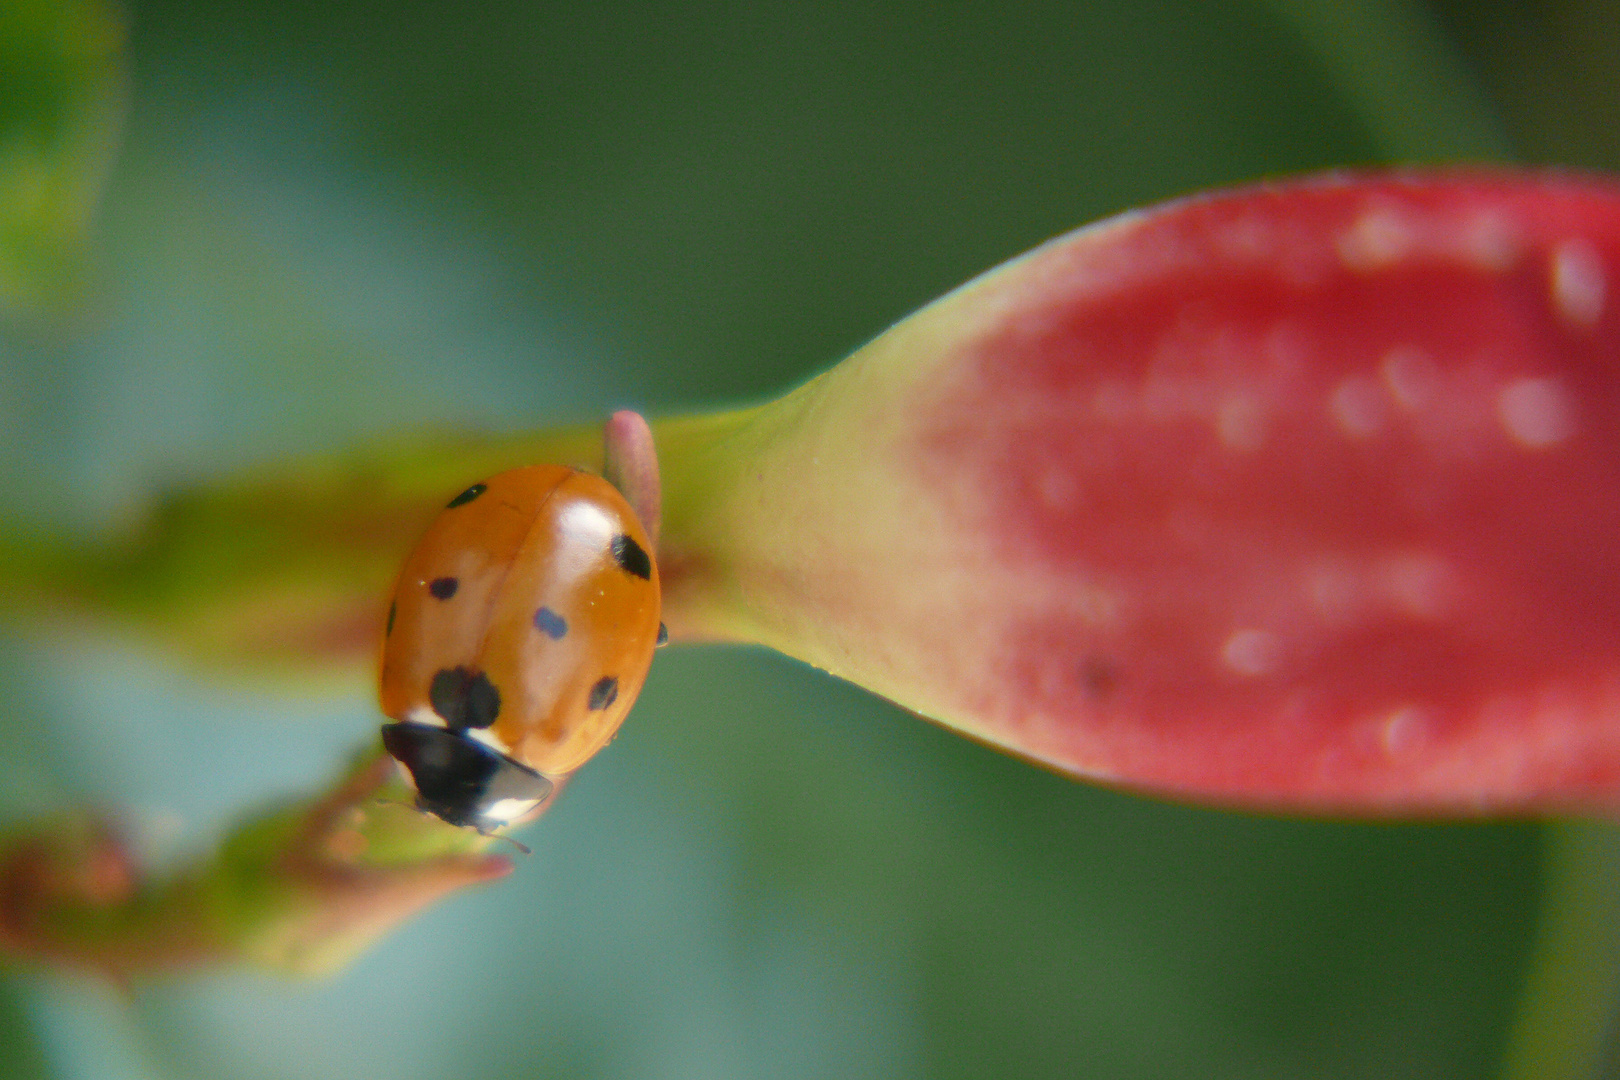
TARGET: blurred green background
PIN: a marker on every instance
(323, 222)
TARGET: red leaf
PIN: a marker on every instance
(1341, 461)
(1304, 496)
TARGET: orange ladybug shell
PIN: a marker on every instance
(526, 618)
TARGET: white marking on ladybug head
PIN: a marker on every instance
(506, 811)
(489, 739)
(424, 715)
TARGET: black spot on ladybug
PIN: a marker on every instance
(443, 588)
(550, 623)
(467, 496)
(663, 635)
(1099, 677)
(630, 556)
(603, 693)
(393, 609)
(465, 698)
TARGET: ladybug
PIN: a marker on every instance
(519, 635)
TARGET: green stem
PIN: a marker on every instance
(300, 889)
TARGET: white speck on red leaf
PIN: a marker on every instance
(1537, 413)
(1359, 406)
(1579, 284)
(1251, 652)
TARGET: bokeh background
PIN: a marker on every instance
(321, 223)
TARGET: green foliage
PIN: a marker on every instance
(61, 103)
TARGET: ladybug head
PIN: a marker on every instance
(461, 780)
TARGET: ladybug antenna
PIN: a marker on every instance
(515, 843)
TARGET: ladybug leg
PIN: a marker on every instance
(493, 835)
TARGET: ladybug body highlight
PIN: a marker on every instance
(520, 633)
